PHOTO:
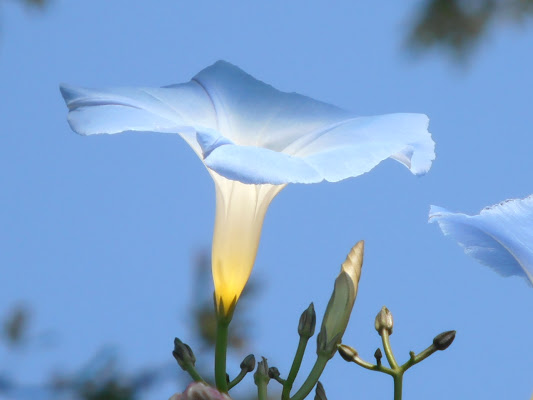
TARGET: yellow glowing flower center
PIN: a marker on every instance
(240, 211)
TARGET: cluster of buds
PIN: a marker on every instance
(332, 329)
(384, 324)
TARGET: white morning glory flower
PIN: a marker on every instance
(501, 236)
(254, 140)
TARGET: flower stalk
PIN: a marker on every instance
(261, 379)
(221, 347)
(312, 378)
(306, 329)
(385, 339)
(247, 365)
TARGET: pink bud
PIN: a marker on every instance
(200, 391)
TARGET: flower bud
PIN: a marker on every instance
(341, 303)
(378, 356)
(444, 340)
(320, 393)
(261, 373)
(347, 352)
(183, 354)
(273, 373)
(384, 321)
(306, 326)
(248, 364)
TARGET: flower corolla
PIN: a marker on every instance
(253, 139)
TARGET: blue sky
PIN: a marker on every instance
(97, 233)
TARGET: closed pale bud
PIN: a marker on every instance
(306, 326)
(183, 354)
(347, 352)
(444, 340)
(320, 393)
(384, 321)
(248, 364)
(341, 302)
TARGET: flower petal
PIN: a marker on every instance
(358, 145)
(240, 211)
(501, 236)
(341, 151)
(209, 140)
(252, 113)
(230, 106)
(181, 109)
(254, 165)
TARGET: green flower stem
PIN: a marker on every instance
(398, 373)
(220, 354)
(388, 351)
(415, 359)
(191, 370)
(261, 379)
(261, 389)
(398, 381)
(280, 380)
(237, 379)
(312, 379)
(296, 363)
(372, 367)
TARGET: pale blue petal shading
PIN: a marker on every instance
(257, 165)
(249, 131)
(348, 149)
(358, 145)
(253, 113)
(182, 109)
(501, 236)
(209, 140)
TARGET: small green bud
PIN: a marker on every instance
(378, 355)
(347, 352)
(261, 373)
(444, 340)
(320, 393)
(183, 354)
(248, 364)
(273, 373)
(306, 326)
(384, 321)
